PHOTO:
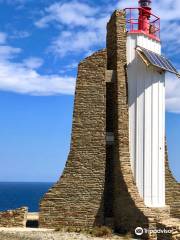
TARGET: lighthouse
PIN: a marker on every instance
(115, 174)
(146, 69)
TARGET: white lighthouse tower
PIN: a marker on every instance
(146, 97)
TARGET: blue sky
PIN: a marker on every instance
(41, 43)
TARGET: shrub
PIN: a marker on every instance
(68, 229)
(102, 231)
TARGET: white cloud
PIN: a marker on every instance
(3, 37)
(125, 4)
(170, 38)
(72, 65)
(74, 13)
(167, 9)
(20, 34)
(172, 93)
(8, 52)
(81, 42)
(33, 62)
(22, 77)
(85, 27)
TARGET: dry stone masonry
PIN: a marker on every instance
(78, 198)
(97, 186)
(172, 191)
(14, 218)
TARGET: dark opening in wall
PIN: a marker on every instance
(108, 207)
(32, 223)
(109, 107)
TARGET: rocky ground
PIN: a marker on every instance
(29, 234)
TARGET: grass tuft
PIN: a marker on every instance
(102, 231)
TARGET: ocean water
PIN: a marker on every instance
(14, 195)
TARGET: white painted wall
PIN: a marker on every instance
(146, 89)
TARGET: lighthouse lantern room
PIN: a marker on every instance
(146, 69)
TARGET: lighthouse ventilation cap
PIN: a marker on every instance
(145, 3)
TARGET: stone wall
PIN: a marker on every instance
(172, 191)
(14, 218)
(172, 226)
(77, 199)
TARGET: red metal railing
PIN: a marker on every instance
(135, 22)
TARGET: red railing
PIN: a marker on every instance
(135, 23)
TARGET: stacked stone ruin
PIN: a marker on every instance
(14, 218)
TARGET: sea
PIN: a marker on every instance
(17, 194)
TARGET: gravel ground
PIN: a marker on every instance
(21, 234)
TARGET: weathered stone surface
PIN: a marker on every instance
(77, 198)
(172, 191)
(14, 218)
(173, 226)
